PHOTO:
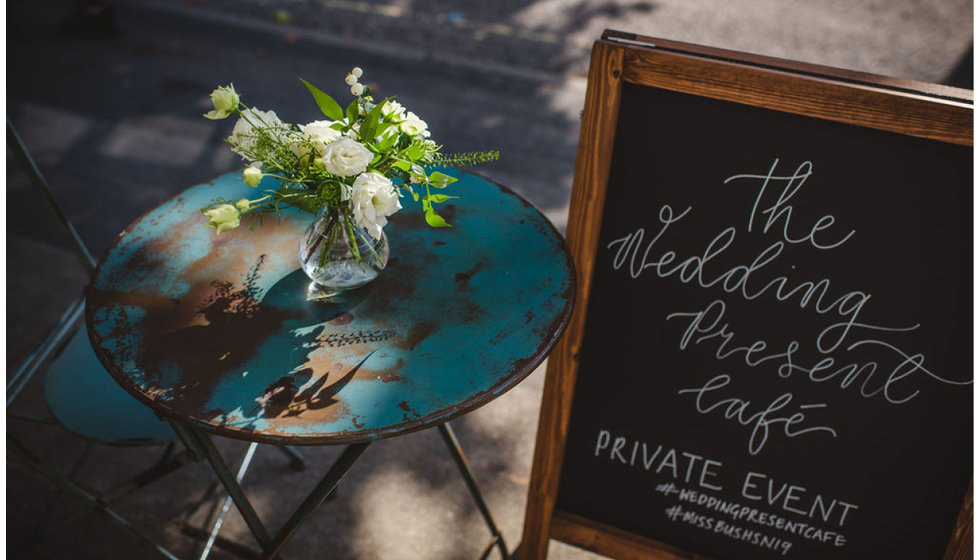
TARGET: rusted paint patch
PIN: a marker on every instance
(342, 318)
(464, 277)
(214, 329)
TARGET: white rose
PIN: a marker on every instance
(373, 200)
(242, 134)
(320, 131)
(346, 157)
(319, 134)
(414, 126)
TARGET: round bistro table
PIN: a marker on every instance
(216, 333)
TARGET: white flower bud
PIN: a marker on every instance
(357, 72)
(223, 218)
(225, 101)
(351, 79)
(357, 89)
(393, 111)
(252, 177)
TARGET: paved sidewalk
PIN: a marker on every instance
(115, 126)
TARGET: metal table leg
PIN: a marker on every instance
(464, 468)
(316, 497)
(226, 503)
(201, 443)
(296, 459)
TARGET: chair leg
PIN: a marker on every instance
(167, 463)
(42, 521)
(40, 354)
(98, 503)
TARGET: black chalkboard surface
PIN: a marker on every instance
(776, 356)
(779, 337)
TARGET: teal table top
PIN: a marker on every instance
(216, 329)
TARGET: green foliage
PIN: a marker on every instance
(326, 103)
(369, 127)
(441, 180)
(392, 141)
(435, 220)
(467, 159)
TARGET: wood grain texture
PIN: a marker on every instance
(960, 545)
(585, 216)
(613, 542)
(926, 88)
(858, 104)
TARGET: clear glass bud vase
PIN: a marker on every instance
(338, 255)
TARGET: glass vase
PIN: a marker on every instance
(337, 255)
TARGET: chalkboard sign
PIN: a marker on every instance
(771, 354)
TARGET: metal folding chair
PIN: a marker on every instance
(86, 401)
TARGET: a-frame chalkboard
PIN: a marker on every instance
(771, 350)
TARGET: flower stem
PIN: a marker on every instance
(319, 237)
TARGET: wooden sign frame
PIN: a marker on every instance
(906, 107)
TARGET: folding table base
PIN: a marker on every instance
(199, 442)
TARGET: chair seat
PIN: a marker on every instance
(85, 399)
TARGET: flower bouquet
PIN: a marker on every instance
(351, 170)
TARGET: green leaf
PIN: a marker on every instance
(441, 180)
(437, 198)
(369, 128)
(387, 143)
(352, 112)
(403, 165)
(435, 220)
(326, 103)
(304, 203)
(414, 152)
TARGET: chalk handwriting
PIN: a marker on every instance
(743, 280)
(677, 513)
(772, 211)
(710, 326)
(794, 498)
(781, 210)
(739, 410)
(669, 462)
